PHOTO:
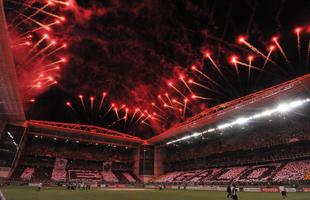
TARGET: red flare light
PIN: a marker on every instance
(190, 81)
(91, 98)
(271, 48)
(170, 84)
(104, 94)
(241, 39)
(233, 59)
(298, 29)
(81, 96)
(250, 58)
(207, 54)
(68, 103)
(275, 38)
(194, 96)
(193, 67)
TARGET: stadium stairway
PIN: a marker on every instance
(135, 177)
(276, 171)
(121, 178)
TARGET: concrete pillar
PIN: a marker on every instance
(159, 157)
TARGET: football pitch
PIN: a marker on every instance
(29, 193)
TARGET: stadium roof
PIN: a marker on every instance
(11, 108)
(290, 89)
(79, 132)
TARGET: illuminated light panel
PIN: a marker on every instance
(281, 108)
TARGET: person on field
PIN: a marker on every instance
(234, 191)
(40, 186)
(283, 192)
(228, 190)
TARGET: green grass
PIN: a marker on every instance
(28, 193)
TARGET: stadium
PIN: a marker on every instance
(154, 100)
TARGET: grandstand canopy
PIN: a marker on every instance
(268, 98)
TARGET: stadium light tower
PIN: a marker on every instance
(11, 108)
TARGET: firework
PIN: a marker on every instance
(116, 113)
(142, 115)
(31, 19)
(167, 96)
(159, 96)
(134, 114)
(126, 115)
(68, 104)
(253, 48)
(189, 89)
(91, 103)
(104, 94)
(82, 101)
(177, 102)
(194, 68)
(55, 63)
(200, 97)
(168, 106)
(297, 31)
(41, 51)
(271, 48)
(178, 91)
(56, 50)
(207, 55)
(275, 40)
(191, 81)
(250, 59)
(234, 61)
(32, 15)
(66, 3)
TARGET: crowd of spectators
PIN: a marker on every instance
(295, 171)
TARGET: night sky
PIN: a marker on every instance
(132, 49)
